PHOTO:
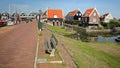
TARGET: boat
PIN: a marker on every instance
(117, 39)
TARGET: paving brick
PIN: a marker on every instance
(18, 45)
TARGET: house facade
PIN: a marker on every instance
(53, 17)
(73, 16)
(33, 15)
(4, 16)
(0, 16)
(90, 18)
(106, 18)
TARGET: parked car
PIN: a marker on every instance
(10, 22)
(2, 23)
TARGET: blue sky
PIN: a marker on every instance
(103, 6)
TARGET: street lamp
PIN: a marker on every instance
(40, 12)
(39, 22)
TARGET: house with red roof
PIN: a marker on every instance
(53, 17)
(73, 16)
(91, 18)
(105, 18)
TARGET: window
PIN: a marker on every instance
(94, 19)
(85, 19)
(94, 14)
(55, 16)
(79, 14)
(79, 19)
(4, 14)
(76, 14)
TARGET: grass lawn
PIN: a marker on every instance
(59, 30)
(89, 54)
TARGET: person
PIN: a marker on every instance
(18, 19)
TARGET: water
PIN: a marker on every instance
(108, 39)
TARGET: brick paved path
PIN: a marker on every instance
(18, 46)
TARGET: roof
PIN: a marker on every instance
(88, 12)
(23, 14)
(104, 15)
(5, 13)
(72, 13)
(52, 12)
(33, 13)
(43, 15)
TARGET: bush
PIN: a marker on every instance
(75, 23)
(114, 23)
(82, 34)
(103, 24)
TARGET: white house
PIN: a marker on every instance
(106, 18)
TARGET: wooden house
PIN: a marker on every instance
(73, 16)
(91, 18)
(105, 18)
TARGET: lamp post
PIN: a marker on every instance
(39, 23)
(40, 12)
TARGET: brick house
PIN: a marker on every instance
(91, 18)
(53, 17)
(105, 18)
(73, 16)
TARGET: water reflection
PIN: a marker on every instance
(104, 39)
(107, 39)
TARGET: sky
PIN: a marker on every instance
(102, 6)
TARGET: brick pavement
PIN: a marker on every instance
(18, 46)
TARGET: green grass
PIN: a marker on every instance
(111, 60)
(59, 30)
(92, 54)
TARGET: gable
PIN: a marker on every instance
(94, 14)
(94, 18)
(109, 16)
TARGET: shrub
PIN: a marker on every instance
(75, 23)
(114, 23)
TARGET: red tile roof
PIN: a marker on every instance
(72, 13)
(52, 12)
(88, 12)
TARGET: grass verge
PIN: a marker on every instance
(92, 54)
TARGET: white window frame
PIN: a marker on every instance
(94, 14)
(94, 19)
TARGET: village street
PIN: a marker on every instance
(18, 45)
